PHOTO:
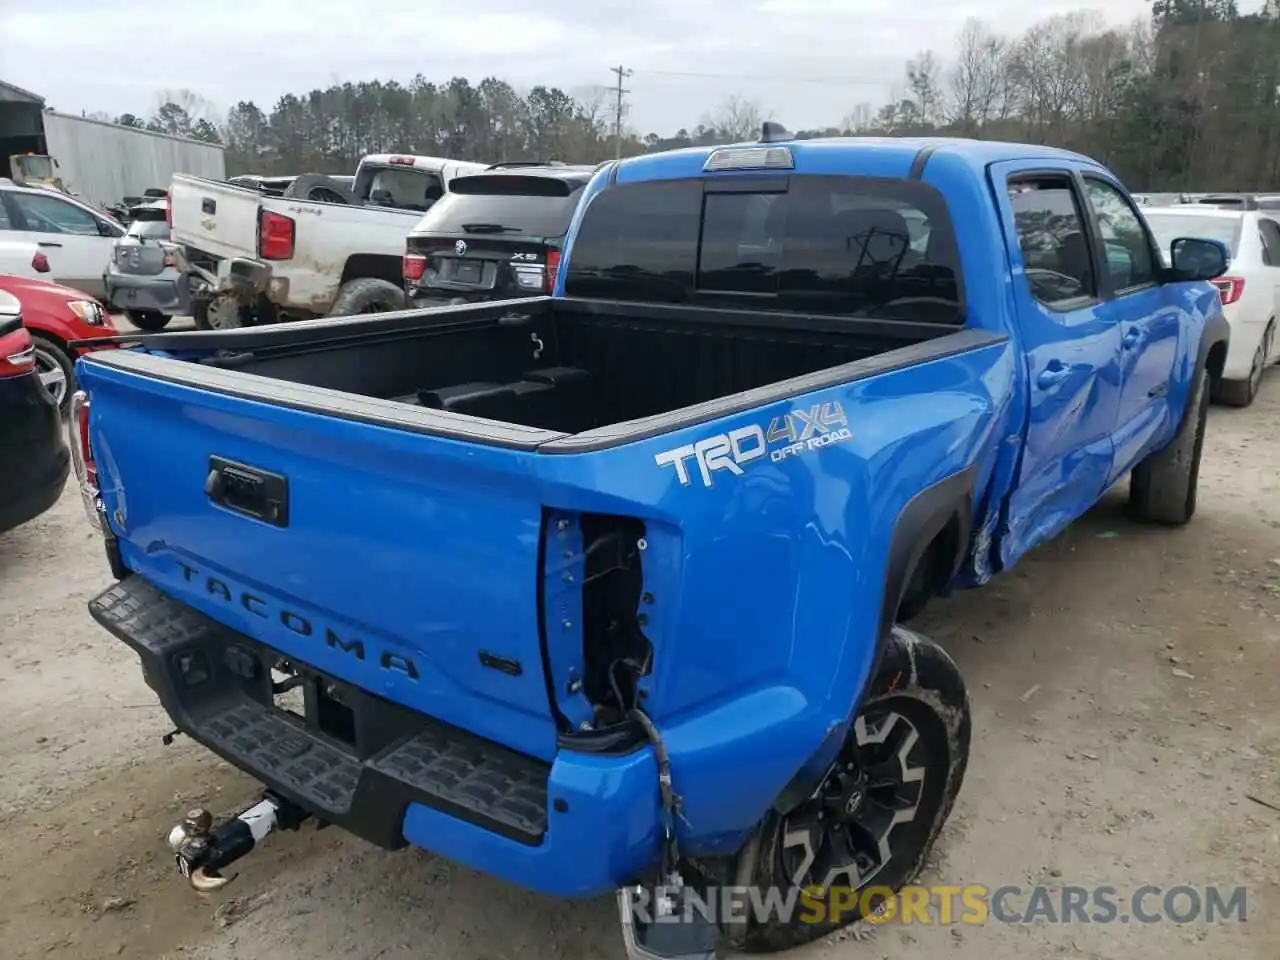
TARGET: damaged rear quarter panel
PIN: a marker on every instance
(768, 572)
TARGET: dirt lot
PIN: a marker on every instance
(1124, 684)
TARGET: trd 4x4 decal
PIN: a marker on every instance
(789, 435)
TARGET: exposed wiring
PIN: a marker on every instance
(671, 802)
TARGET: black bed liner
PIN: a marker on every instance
(933, 342)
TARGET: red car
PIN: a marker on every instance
(56, 315)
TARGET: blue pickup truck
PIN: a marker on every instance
(603, 590)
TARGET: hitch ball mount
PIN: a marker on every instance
(203, 850)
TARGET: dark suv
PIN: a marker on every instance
(34, 460)
(495, 235)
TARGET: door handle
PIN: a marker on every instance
(1052, 375)
(48, 243)
(1132, 337)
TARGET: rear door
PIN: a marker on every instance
(491, 236)
(1072, 351)
(77, 243)
(1146, 312)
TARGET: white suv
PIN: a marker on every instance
(75, 238)
(1250, 288)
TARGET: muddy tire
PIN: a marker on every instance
(368, 295)
(1162, 488)
(148, 320)
(872, 823)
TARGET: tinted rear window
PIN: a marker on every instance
(510, 206)
(156, 229)
(851, 246)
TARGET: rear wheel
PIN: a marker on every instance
(368, 295)
(869, 826)
(221, 313)
(55, 367)
(148, 320)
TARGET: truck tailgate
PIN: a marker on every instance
(216, 218)
(404, 564)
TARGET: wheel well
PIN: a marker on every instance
(378, 266)
(934, 570)
(50, 338)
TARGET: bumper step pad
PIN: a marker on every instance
(365, 791)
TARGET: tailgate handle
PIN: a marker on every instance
(249, 491)
(208, 205)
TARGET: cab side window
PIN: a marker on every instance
(1127, 250)
(1051, 235)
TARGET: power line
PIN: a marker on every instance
(847, 81)
(617, 113)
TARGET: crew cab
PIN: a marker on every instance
(604, 589)
(255, 258)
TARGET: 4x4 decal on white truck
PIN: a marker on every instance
(789, 435)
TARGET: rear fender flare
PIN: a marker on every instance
(925, 516)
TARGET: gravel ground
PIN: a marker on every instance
(1124, 693)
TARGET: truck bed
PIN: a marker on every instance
(599, 373)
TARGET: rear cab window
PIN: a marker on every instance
(400, 186)
(512, 205)
(834, 245)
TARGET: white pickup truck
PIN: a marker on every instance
(252, 258)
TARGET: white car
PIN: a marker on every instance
(76, 239)
(1250, 288)
(21, 258)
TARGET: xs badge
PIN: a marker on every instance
(790, 435)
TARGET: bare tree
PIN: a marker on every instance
(736, 118)
(194, 105)
(978, 82)
(924, 80)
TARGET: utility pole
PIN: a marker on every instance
(617, 112)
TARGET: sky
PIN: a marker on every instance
(808, 63)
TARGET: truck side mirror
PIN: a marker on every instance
(1195, 258)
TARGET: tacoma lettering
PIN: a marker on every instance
(297, 623)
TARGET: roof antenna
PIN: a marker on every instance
(774, 132)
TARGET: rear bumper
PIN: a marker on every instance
(1246, 334)
(165, 293)
(579, 826)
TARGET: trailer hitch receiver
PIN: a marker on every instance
(203, 850)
